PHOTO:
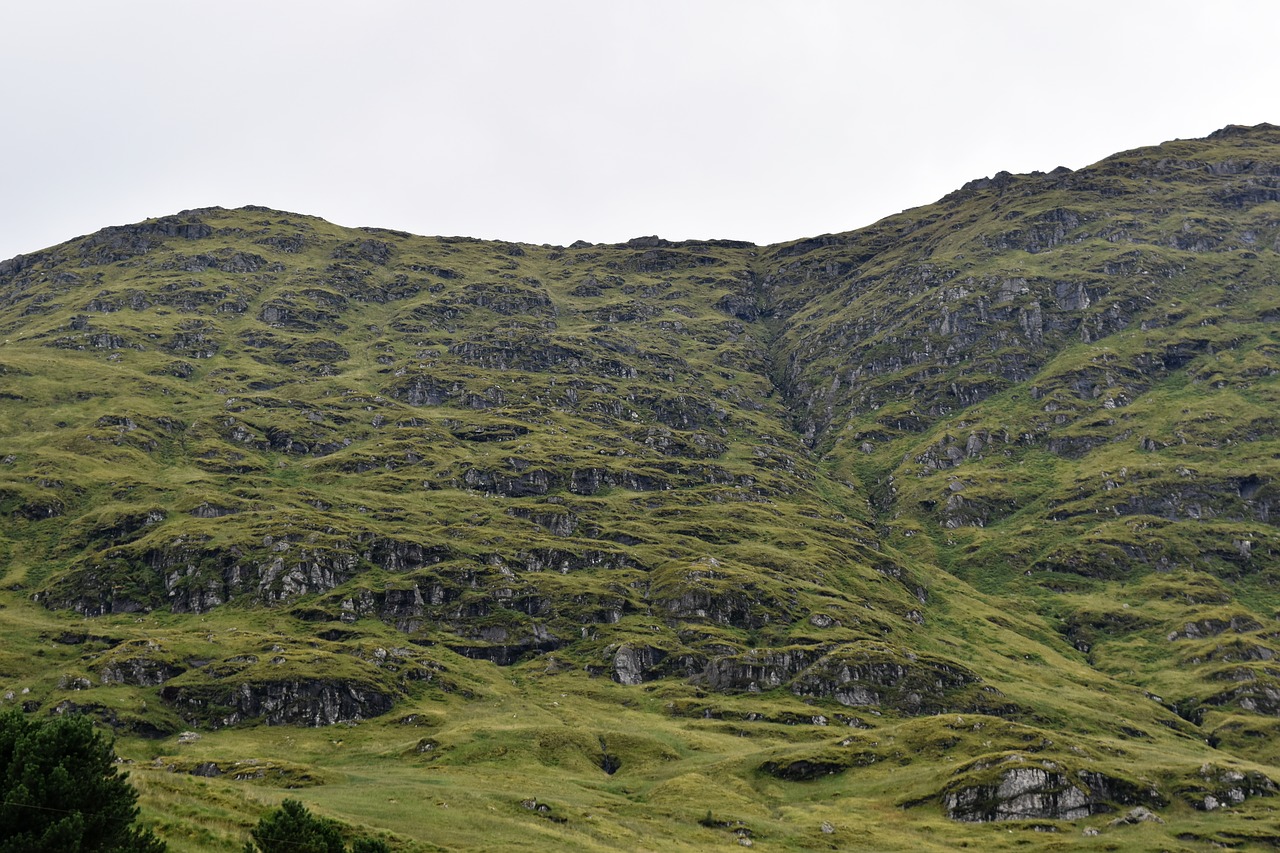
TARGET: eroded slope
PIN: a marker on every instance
(989, 485)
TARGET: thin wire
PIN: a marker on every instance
(52, 809)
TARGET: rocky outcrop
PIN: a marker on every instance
(1021, 793)
(1212, 627)
(141, 671)
(828, 760)
(1257, 693)
(870, 675)
(878, 675)
(718, 593)
(120, 721)
(758, 670)
(505, 645)
(1215, 787)
(190, 577)
(305, 702)
(634, 665)
(1136, 815)
(1083, 628)
(590, 481)
(1015, 788)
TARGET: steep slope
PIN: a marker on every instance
(1065, 382)
(989, 482)
(502, 449)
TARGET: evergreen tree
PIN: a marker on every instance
(293, 829)
(61, 792)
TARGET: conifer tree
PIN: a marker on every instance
(61, 792)
(293, 829)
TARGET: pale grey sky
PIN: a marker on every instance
(558, 120)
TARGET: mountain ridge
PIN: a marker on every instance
(1008, 458)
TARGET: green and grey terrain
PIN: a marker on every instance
(956, 530)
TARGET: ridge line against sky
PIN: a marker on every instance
(555, 121)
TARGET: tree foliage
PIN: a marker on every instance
(369, 845)
(293, 829)
(61, 792)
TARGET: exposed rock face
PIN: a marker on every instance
(142, 671)
(125, 724)
(505, 646)
(1040, 790)
(635, 665)
(189, 576)
(1022, 793)
(1240, 624)
(1217, 787)
(307, 703)
(732, 606)
(873, 675)
(763, 670)
(1136, 815)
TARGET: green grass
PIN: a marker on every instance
(1000, 448)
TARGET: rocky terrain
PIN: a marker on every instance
(966, 518)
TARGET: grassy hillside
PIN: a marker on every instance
(945, 532)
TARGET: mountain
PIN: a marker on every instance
(954, 530)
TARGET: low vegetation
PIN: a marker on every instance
(957, 530)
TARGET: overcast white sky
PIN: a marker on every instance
(587, 119)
